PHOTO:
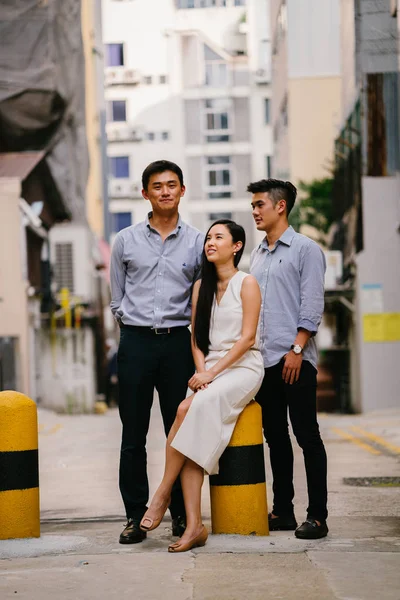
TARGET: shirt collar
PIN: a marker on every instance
(286, 238)
(174, 232)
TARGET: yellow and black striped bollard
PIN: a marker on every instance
(19, 469)
(238, 492)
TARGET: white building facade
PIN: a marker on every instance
(188, 81)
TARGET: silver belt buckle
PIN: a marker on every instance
(162, 332)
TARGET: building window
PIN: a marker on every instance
(268, 166)
(118, 110)
(219, 195)
(216, 216)
(165, 135)
(219, 180)
(240, 2)
(121, 220)
(150, 136)
(148, 80)
(163, 79)
(119, 167)
(267, 111)
(217, 120)
(284, 112)
(205, 3)
(115, 55)
(216, 69)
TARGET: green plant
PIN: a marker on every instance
(314, 207)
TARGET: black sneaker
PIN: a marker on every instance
(281, 523)
(132, 534)
(178, 526)
(310, 530)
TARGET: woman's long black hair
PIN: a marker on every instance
(208, 286)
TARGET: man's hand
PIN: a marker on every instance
(292, 367)
(200, 381)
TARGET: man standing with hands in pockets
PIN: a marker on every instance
(153, 267)
(290, 270)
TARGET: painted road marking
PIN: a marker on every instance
(355, 440)
(54, 429)
(380, 441)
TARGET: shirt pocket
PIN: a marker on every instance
(189, 266)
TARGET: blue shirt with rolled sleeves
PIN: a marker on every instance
(152, 280)
(291, 279)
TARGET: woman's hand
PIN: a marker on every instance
(200, 381)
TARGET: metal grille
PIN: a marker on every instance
(64, 271)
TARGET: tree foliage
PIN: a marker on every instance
(314, 207)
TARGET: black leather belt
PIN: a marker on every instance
(155, 330)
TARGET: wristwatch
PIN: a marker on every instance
(297, 349)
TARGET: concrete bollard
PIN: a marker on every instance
(19, 468)
(238, 492)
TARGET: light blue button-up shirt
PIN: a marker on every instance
(152, 280)
(291, 278)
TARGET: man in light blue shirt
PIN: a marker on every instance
(153, 267)
(290, 270)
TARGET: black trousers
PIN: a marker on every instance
(275, 398)
(147, 361)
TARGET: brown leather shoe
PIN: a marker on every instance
(195, 542)
(132, 534)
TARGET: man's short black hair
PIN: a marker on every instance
(277, 190)
(160, 166)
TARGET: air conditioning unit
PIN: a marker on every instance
(71, 252)
(136, 189)
(262, 76)
(121, 76)
(131, 76)
(123, 132)
(113, 135)
(119, 188)
(114, 75)
(136, 134)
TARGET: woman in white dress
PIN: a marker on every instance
(229, 372)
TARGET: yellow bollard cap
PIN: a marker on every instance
(18, 422)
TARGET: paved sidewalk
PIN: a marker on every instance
(78, 555)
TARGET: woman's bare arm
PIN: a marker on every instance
(198, 356)
(251, 302)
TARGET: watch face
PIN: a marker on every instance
(297, 349)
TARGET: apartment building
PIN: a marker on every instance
(189, 81)
(306, 86)
(366, 205)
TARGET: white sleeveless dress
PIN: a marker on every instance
(211, 418)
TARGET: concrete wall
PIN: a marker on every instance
(67, 378)
(378, 263)
(14, 320)
(314, 116)
(314, 38)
